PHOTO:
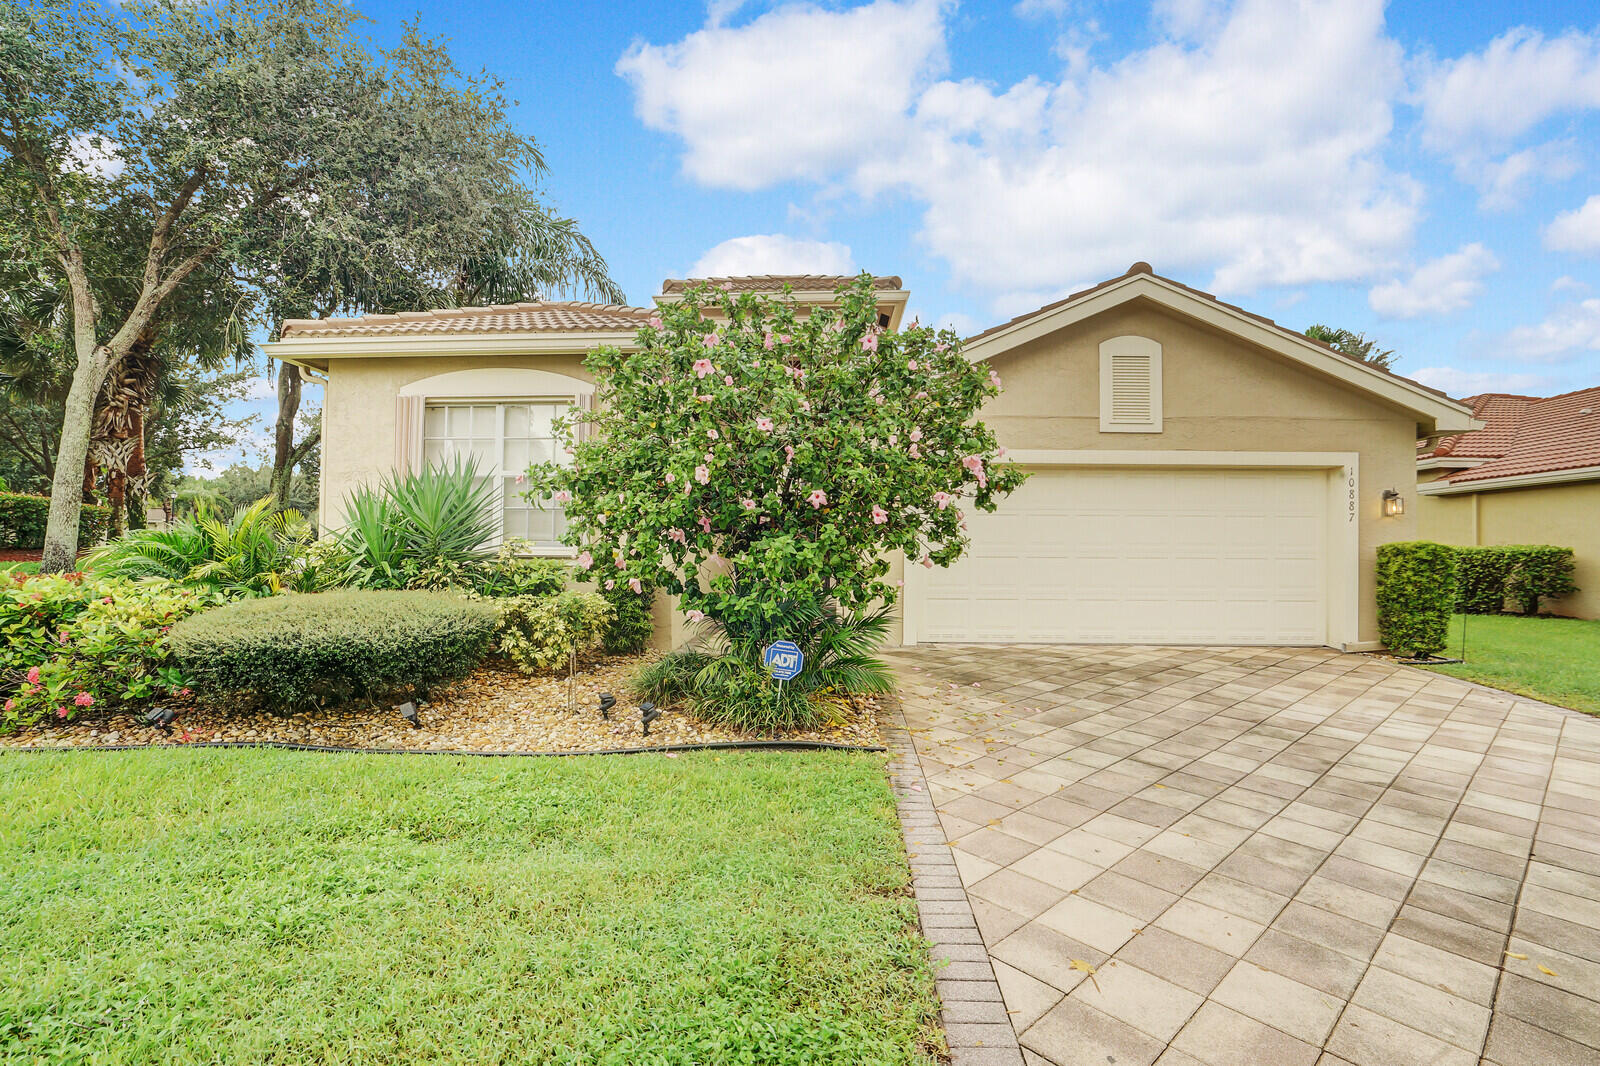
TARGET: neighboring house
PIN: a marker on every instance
(1201, 474)
(1531, 475)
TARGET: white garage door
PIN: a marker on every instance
(1146, 556)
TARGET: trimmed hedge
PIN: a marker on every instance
(23, 519)
(333, 646)
(1522, 573)
(1416, 594)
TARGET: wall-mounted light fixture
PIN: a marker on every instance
(1394, 504)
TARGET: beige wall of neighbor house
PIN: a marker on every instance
(1567, 515)
(1219, 393)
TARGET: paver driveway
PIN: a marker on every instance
(1267, 857)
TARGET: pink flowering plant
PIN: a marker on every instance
(72, 642)
(752, 459)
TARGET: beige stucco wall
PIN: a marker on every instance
(1566, 515)
(1219, 393)
(358, 413)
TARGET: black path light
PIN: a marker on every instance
(607, 701)
(161, 718)
(648, 712)
(408, 711)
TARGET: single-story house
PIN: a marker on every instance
(1531, 475)
(1201, 474)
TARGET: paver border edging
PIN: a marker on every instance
(286, 745)
(977, 1028)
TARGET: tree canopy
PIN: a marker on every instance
(1355, 345)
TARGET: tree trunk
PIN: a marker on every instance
(66, 489)
(283, 451)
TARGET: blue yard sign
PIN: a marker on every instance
(784, 659)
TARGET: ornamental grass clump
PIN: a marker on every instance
(292, 652)
(763, 462)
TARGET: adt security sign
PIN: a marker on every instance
(784, 659)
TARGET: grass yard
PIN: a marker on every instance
(287, 907)
(1556, 660)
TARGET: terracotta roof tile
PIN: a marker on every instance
(1145, 268)
(776, 282)
(1528, 435)
(558, 316)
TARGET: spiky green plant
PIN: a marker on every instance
(246, 554)
(424, 519)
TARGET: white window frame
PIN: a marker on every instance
(1138, 347)
(500, 403)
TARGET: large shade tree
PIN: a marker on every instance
(234, 138)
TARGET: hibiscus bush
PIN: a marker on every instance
(758, 461)
(69, 642)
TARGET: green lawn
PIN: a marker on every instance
(1556, 660)
(289, 907)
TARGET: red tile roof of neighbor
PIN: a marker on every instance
(776, 282)
(1526, 435)
(550, 316)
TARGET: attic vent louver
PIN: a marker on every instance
(1130, 385)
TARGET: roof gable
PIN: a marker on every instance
(1434, 410)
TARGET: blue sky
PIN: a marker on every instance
(1426, 173)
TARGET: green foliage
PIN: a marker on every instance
(1416, 593)
(442, 516)
(734, 688)
(72, 641)
(793, 455)
(1523, 573)
(539, 633)
(251, 553)
(1355, 345)
(287, 651)
(23, 518)
(631, 625)
(512, 571)
(239, 486)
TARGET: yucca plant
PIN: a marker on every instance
(247, 554)
(440, 516)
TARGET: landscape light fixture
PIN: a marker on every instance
(648, 712)
(1394, 504)
(161, 718)
(607, 701)
(408, 711)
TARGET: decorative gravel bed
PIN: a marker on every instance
(495, 709)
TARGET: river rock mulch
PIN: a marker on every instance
(494, 709)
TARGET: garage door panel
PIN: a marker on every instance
(1146, 556)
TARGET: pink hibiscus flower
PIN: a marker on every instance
(702, 367)
(764, 424)
(911, 364)
(894, 438)
(610, 584)
(788, 452)
(563, 496)
(712, 339)
(942, 499)
(727, 379)
(927, 562)
(634, 584)
(869, 343)
(916, 433)
(655, 321)
(705, 524)
(585, 560)
(677, 535)
(696, 616)
(912, 451)
(879, 515)
(769, 342)
(817, 498)
(702, 475)
(994, 378)
(748, 504)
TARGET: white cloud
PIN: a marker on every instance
(1217, 147)
(96, 156)
(1568, 330)
(1576, 231)
(1472, 382)
(1449, 283)
(794, 94)
(773, 253)
(1568, 283)
(1475, 108)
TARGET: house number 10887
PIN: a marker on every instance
(1350, 494)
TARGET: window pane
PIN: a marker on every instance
(483, 421)
(434, 451)
(518, 420)
(460, 421)
(518, 453)
(433, 422)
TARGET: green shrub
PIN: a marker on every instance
(71, 641)
(331, 646)
(1538, 572)
(734, 688)
(438, 516)
(23, 519)
(512, 571)
(1522, 573)
(249, 554)
(631, 625)
(1416, 593)
(539, 633)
